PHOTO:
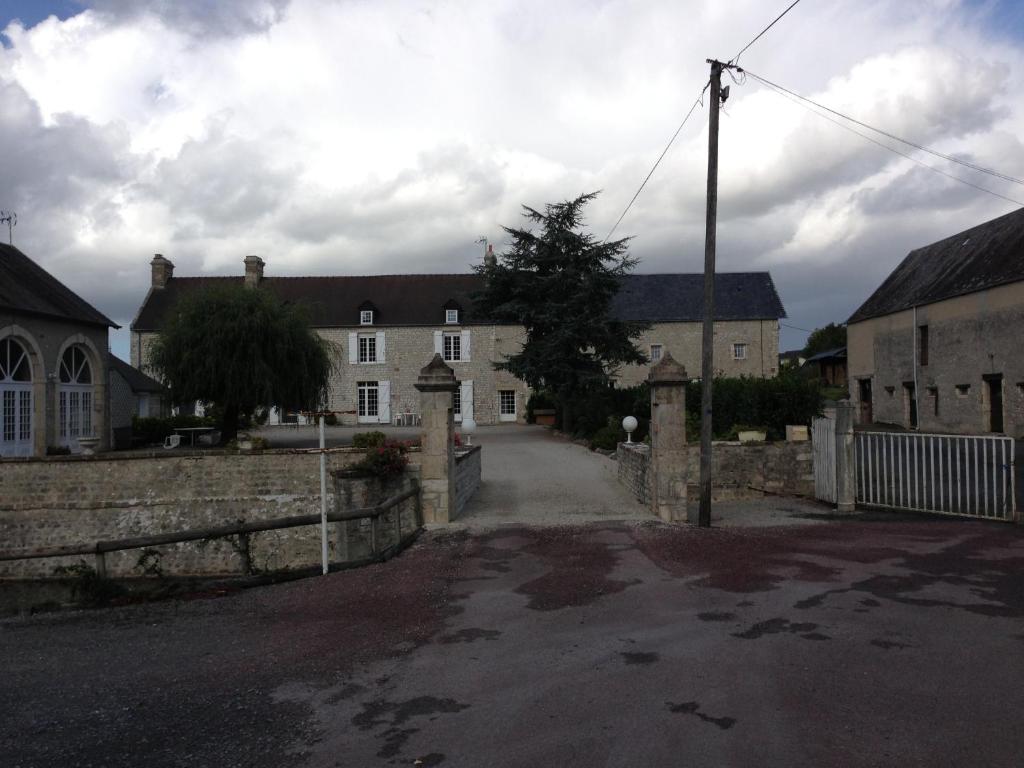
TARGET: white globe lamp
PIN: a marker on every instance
(468, 428)
(629, 424)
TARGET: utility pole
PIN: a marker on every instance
(707, 369)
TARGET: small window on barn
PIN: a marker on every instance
(366, 317)
(656, 352)
(922, 345)
(739, 351)
(962, 390)
(933, 393)
(451, 316)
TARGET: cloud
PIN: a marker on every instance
(349, 137)
(198, 18)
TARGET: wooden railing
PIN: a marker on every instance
(374, 513)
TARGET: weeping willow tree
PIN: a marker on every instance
(241, 348)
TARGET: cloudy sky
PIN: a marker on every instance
(359, 137)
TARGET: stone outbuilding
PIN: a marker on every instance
(937, 346)
(132, 393)
(53, 362)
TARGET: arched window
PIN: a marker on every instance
(76, 396)
(15, 399)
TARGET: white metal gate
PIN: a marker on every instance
(944, 474)
(823, 444)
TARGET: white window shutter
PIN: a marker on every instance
(353, 348)
(439, 343)
(467, 400)
(381, 357)
(465, 346)
(384, 401)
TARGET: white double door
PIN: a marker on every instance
(15, 419)
(374, 402)
(76, 408)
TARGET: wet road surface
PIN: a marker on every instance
(854, 643)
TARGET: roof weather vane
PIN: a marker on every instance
(11, 218)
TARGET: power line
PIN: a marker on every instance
(695, 103)
(796, 328)
(656, 164)
(892, 136)
(786, 94)
(736, 58)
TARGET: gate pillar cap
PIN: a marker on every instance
(437, 376)
(667, 371)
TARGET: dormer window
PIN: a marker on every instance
(366, 317)
(451, 316)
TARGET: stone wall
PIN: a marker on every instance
(78, 500)
(468, 467)
(739, 470)
(634, 463)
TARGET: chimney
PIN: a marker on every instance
(489, 259)
(253, 271)
(163, 270)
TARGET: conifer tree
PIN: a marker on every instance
(559, 282)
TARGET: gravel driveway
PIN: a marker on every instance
(531, 476)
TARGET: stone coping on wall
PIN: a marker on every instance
(465, 451)
(182, 454)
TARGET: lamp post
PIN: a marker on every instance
(468, 428)
(629, 424)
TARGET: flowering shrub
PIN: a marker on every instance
(385, 460)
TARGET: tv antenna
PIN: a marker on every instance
(11, 218)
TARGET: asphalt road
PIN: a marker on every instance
(853, 643)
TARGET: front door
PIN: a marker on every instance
(76, 398)
(369, 402)
(15, 400)
(507, 405)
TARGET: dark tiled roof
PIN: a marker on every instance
(984, 256)
(409, 300)
(839, 353)
(680, 297)
(137, 380)
(27, 287)
(335, 301)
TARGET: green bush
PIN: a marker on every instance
(384, 460)
(608, 437)
(598, 409)
(540, 400)
(368, 439)
(771, 403)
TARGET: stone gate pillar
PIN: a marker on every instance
(668, 440)
(845, 459)
(436, 384)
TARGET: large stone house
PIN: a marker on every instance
(386, 327)
(936, 347)
(53, 362)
